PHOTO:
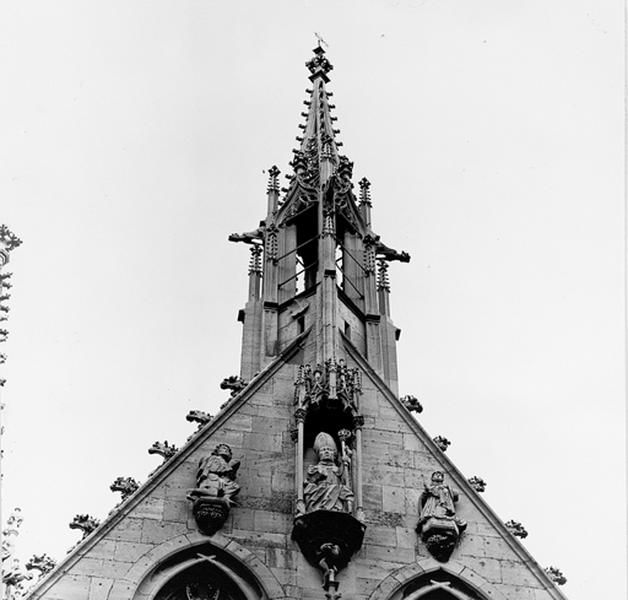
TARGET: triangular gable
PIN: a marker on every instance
(436, 459)
(141, 500)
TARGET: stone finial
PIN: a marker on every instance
(8, 239)
(383, 282)
(234, 383)
(516, 528)
(86, 523)
(4, 280)
(319, 66)
(3, 358)
(365, 191)
(164, 449)
(200, 417)
(4, 334)
(273, 182)
(556, 575)
(127, 486)
(40, 562)
(412, 403)
(255, 262)
(442, 442)
(477, 483)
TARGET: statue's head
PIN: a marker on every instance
(438, 477)
(224, 451)
(325, 447)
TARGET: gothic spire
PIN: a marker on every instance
(317, 157)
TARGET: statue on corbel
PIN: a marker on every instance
(215, 490)
(438, 526)
(328, 524)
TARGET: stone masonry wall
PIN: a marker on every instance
(395, 461)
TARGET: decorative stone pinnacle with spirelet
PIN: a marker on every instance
(273, 183)
(517, 529)
(319, 66)
(365, 191)
(477, 483)
(383, 282)
(442, 442)
(255, 263)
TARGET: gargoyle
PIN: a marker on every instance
(388, 253)
(249, 237)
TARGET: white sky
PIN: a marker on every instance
(135, 139)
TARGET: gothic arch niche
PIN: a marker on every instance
(437, 585)
(202, 572)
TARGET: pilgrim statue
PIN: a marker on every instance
(216, 476)
(437, 501)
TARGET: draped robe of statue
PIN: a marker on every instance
(437, 501)
(326, 487)
(216, 475)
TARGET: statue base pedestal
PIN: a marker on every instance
(210, 513)
(440, 537)
(328, 539)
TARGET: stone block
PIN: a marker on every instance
(177, 510)
(150, 508)
(130, 551)
(395, 555)
(155, 532)
(99, 588)
(406, 537)
(128, 529)
(393, 499)
(263, 441)
(272, 522)
(70, 587)
(379, 535)
(372, 497)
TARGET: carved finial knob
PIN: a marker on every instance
(42, 563)
(442, 442)
(477, 483)
(556, 575)
(412, 404)
(273, 185)
(8, 239)
(517, 529)
(86, 523)
(127, 486)
(164, 449)
(319, 66)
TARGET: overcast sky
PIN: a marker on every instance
(135, 138)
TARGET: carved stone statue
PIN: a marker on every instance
(216, 475)
(328, 483)
(215, 489)
(438, 524)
